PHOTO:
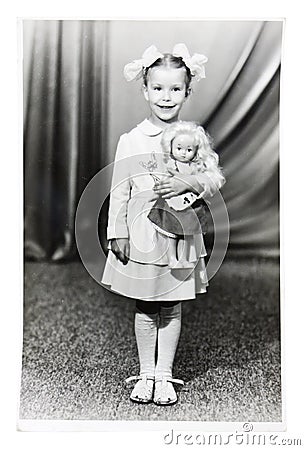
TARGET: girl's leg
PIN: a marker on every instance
(168, 337)
(146, 319)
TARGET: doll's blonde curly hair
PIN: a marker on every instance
(205, 157)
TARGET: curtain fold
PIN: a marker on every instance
(249, 84)
(65, 129)
(70, 129)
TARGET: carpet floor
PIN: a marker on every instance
(79, 347)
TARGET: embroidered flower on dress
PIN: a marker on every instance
(151, 166)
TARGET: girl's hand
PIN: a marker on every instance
(172, 185)
(121, 249)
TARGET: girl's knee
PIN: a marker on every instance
(147, 307)
(168, 304)
(154, 307)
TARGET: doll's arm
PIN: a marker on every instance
(171, 166)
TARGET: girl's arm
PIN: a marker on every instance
(209, 182)
(117, 231)
(120, 193)
(121, 249)
(204, 184)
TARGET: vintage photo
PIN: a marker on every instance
(151, 221)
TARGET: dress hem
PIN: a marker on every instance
(107, 286)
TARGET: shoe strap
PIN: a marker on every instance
(139, 377)
(170, 379)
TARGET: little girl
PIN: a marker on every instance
(187, 150)
(137, 265)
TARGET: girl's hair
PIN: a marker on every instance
(170, 61)
(205, 158)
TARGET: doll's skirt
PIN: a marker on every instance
(173, 223)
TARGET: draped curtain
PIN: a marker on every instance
(76, 105)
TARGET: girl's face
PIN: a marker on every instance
(183, 148)
(165, 93)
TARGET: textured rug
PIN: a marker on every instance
(79, 347)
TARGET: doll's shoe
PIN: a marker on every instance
(172, 263)
(187, 265)
(143, 390)
(165, 393)
(180, 265)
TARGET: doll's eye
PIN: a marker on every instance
(189, 149)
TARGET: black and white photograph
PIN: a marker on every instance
(152, 287)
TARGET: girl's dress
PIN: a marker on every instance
(183, 214)
(146, 276)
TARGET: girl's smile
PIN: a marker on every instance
(165, 93)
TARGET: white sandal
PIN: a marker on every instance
(165, 393)
(143, 391)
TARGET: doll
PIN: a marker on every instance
(187, 151)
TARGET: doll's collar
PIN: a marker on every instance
(149, 129)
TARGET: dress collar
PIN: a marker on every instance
(149, 129)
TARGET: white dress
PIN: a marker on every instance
(146, 276)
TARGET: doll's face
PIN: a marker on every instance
(183, 148)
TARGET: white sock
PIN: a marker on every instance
(146, 337)
(168, 337)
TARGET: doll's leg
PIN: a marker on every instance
(184, 255)
(168, 337)
(181, 262)
(172, 252)
(146, 319)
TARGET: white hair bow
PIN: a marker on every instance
(195, 63)
(133, 70)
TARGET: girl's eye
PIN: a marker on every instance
(157, 88)
(177, 89)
